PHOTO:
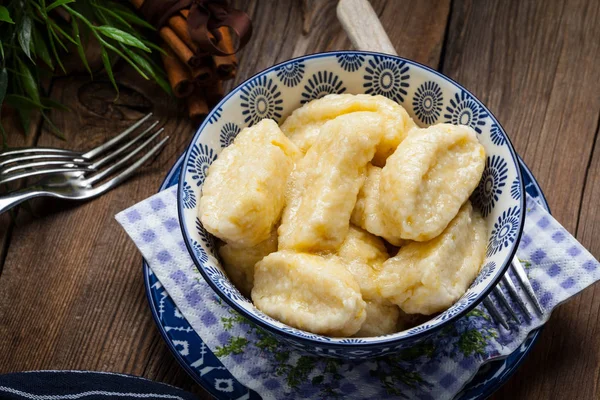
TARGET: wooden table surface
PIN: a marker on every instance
(71, 288)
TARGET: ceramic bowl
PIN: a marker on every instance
(430, 98)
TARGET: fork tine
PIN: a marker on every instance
(491, 307)
(118, 165)
(524, 281)
(130, 170)
(104, 147)
(32, 157)
(502, 298)
(62, 169)
(512, 290)
(67, 163)
(32, 150)
(120, 150)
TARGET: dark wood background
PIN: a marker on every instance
(71, 289)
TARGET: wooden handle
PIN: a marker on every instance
(363, 26)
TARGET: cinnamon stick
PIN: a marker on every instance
(214, 92)
(182, 51)
(178, 74)
(203, 74)
(197, 106)
(137, 3)
(225, 66)
(179, 25)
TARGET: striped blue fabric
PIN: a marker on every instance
(85, 385)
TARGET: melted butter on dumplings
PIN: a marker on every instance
(427, 179)
(323, 187)
(243, 194)
(428, 277)
(382, 319)
(309, 292)
(304, 126)
(239, 262)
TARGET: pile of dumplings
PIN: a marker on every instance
(348, 219)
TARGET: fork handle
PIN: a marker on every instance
(363, 27)
(12, 199)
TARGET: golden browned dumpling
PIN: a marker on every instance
(323, 187)
(428, 277)
(428, 178)
(303, 127)
(239, 261)
(367, 212)
(244, 192)
(309, 292)
(363, 254)
(382, 319)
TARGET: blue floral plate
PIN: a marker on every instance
(205, 368)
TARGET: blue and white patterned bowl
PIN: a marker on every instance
(430, 98)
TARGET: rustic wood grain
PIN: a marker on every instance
(536, 66)
(71, 289)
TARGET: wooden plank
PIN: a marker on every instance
(72, 293)
(536, 66)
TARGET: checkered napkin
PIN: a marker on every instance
(558, 267)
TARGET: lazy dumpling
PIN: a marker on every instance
(367, 212)
(323, 187)
(239, 262)
(427, 179)
(244, 192)
(309, 292)
(382, 319)
(363, 254)
(303, 127)
(428, 277)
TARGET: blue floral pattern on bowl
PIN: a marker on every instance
(490, 186)
(321, 84)
(189, 197)
(350, 62)
(228, 133)
(261, 99)
(291, 74)
(465, 110)
(427, 102)
(267, 96)
(387, 76)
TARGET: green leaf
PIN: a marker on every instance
(108, 68)
(62, 32)
(80, 49)
(53, 47)
(56, 37)
(115, 16)
(123, 37)
(2, 51)
(58, 3)
(49, 103)
(22, 102)
(53, 128)
(154, 46)
(30, 84)
(146, 66)
(41, 49)
(5, 15)
(25, 35)
(124, 57)
(130, 16)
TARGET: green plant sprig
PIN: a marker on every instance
(35, 34)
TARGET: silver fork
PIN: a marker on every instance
(508, 283)
(83, 182)
(32, 161)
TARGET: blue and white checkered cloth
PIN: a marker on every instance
(558, 266)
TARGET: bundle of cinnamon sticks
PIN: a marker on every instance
(196, 78)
